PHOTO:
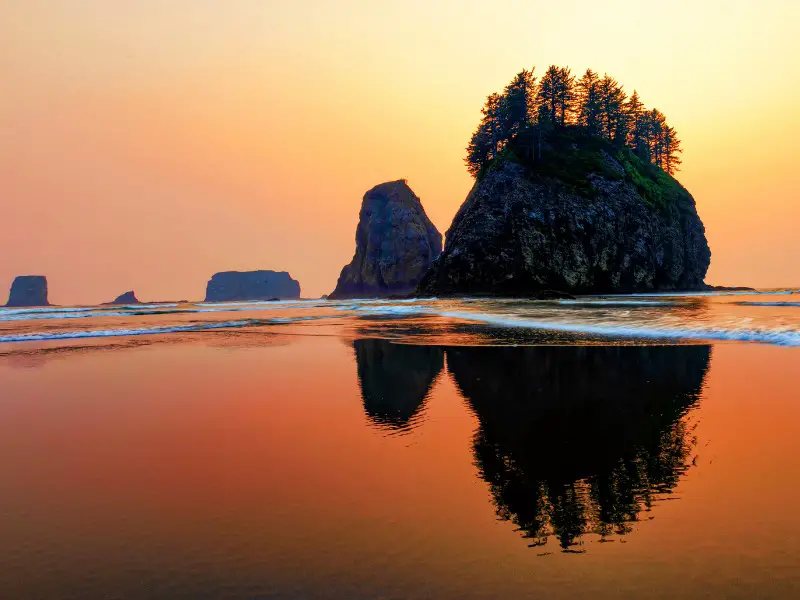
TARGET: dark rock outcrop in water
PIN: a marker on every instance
(576, 440)
(126, 298)
(28, 290)
(588, 218)
(251, 285)
(395, 379)
(395, 244)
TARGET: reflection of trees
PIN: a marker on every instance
(395, 379)
(577, 440)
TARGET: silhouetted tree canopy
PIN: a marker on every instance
(596, 105)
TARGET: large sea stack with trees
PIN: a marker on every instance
(574, 191)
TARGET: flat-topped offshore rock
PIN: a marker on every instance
(251, 285)
(395, 244)
(28, 290)
(126, 298)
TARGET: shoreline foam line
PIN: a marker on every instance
(776, 337)
(73, 335)
(765, 336)
(779, 304)
(99, 333)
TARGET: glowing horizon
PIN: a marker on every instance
(148, 146)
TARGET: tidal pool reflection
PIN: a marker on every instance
(571, 439)
(576, 440)
(263, 465)
(395, 379)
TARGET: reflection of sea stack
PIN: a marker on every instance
(126, 298)
(574, 440)
(251, 285)
(28, 290)
(395, 244)
(395, 378)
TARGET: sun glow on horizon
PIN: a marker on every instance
(148, 145)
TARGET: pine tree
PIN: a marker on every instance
(655, 136)
(611, 98)
(547, 96)
(566, 95)
(489, 138)
(672, 147)
(634, 109)
(588, 107)
(517, 107)
(479, 150)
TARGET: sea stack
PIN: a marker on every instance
(251, 285)
(592, 218)
(395, 244)
(28, 290)
(126, 298)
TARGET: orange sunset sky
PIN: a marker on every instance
(149, 144)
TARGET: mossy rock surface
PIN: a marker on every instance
(586, 217)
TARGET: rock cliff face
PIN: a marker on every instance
(28, 290)
(126, 298)
(395, 244)
(251, 285)
(597, 222)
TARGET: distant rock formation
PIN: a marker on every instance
(395, 244)
(589, 218)
(251, 285)
(28, 290)
(126, 298)
(730, 288)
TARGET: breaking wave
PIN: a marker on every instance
(101, 333)
(784, 336)
(779, 304)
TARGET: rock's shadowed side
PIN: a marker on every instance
(28, 290)
(395, 244)
(251, 285)
(519, 232)
(126, 298)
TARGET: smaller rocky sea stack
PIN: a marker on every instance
(251, 285)
(395, 244)
(126, 298)
(28, 290)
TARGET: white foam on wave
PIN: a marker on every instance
(616, 303)
(309, 302)
(61, 315)
(71, 335)
(780, 336)
(136, 311)
(45, 309)
(708, 293)
(56, 310)
(137, 306)
(766, 303)
(386, 309)
(100, 333)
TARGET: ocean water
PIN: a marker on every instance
(616, 446)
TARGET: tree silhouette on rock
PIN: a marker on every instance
(528, 110)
